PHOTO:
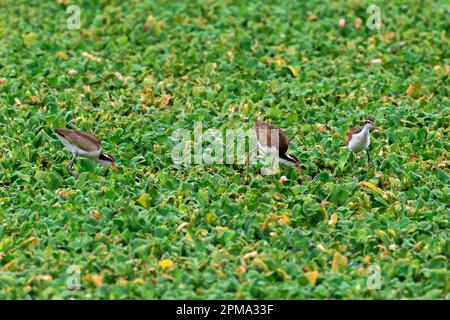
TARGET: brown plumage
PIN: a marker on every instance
(356, 130)
(351, 132)
(272, 137)
(83, 144)
(280, 141)
(81, 139)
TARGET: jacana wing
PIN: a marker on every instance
(81, 139)
(274, 136)
(351, 132)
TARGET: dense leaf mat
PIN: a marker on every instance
(138, 70)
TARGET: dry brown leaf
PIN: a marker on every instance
(181, 226)
(44, 277)
(389, 36)
(96, 215)
(91, 57)
(250, 255)
(277, 196)
(240, 269)
(333, 219)
(164, 100)
(410, 89)
(97, 280)
(312, 17)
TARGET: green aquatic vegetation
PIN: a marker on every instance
(136, 71)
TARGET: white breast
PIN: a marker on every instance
(267, 149)
(359, 142)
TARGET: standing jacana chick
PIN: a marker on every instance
(85, 145)
(358, 138)
(272, 139)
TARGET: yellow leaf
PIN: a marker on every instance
(325, 213)
(138, 281)
(392, 232)
(281, 218)
(209, 218)
(151, 21)
(31, 241)
(293, 71)
(10, 266)
(221, 229)
(166, 263)
(338, 260)
(29, 38)
(279, 61)
(62, 55)
(144, 200)
(373, 187)
(381, 233)
(277, 196)
(321, 127)
(312, 277)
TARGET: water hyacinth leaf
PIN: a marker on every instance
(156, 229)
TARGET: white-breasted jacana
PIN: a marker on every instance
(273, 140)
(85, 145)
(358, 138)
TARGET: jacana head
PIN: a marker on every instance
(107, 159)
(294, 161)
(371, 123)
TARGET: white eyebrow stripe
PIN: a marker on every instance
(288, 156)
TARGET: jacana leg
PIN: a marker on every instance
(247, 161)
(368, 159)
(70, 165)
(247, 165)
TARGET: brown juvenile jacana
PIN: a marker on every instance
(273, 140)
(85, 145)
